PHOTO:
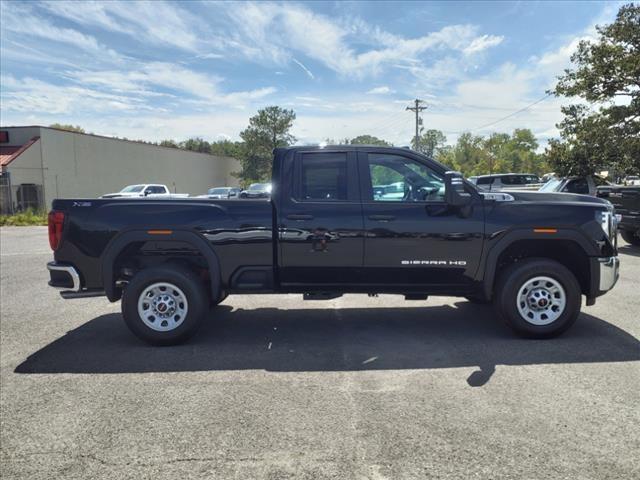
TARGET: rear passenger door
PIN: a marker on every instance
(320, 220)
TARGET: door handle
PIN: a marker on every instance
(300, 217)
(382, 218)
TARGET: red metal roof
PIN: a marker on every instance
(9, 154)
(6, 153)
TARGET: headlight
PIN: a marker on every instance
(608, 222)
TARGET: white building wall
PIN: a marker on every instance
(87, 166)
(18, 136)
(26, 169)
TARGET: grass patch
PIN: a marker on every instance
(22, 219)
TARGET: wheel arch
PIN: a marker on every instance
(119, 244)
(568, 247)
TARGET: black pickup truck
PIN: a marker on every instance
(340, 220)
(626, 201)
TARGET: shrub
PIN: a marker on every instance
(28, 217)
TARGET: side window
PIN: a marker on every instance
(578, 185)
(395, 178)
(509, 180)
(485, 181)
(599, 181)
(324, 176)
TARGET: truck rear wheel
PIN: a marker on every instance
(164, 305)
(538, 298)
(630, 237)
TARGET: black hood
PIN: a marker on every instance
(556, 198)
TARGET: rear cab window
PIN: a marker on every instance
(325, 177)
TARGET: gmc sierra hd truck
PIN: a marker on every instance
(329, 228)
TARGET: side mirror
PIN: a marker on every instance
(454, 194)
(146, 193)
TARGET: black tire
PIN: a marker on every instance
(477, 300)
(630, 237)
(188, 284)
(514, 277)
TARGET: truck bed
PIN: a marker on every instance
(234, 228)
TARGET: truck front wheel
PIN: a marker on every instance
(164, 305)
(538, 298)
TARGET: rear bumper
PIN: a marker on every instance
(67, 277)
(609, 268)
(64, 276)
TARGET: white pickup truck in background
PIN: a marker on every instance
(147, 190)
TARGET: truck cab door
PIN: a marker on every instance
(320, 226)
(414, 240)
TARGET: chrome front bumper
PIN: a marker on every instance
(69, 270)
(609, 272)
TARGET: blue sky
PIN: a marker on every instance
(176, 70)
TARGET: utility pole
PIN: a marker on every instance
(417, 108)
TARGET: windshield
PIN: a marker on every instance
(218, 191)
(132, 189)
(551, 185)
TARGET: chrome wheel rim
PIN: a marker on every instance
(541, 300)
(162, 306)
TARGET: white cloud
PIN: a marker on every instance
(482, 43)
(155, 22)
(380, 91)
(268, 32)
(21, 21)
(30, 95)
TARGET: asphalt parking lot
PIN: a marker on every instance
(275, 388)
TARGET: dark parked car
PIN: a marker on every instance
(324, 233)
(626, 201)
(257, 190)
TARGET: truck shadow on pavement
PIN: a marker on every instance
(629, 250)
(350, 339)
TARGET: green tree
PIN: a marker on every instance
(469, 154)
(169, 143)
(228, 148)
(429, 142)
(68, 127)
(605, 133)
(368, 140)
(267, 130)
(196, 145)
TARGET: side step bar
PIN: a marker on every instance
(320, 295)
(69, 294)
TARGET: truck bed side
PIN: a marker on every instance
(240, 232)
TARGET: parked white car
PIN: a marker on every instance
(507, 181)
(631, 180)
(150, 190)
(218, 193)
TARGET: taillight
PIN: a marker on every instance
(56, 222)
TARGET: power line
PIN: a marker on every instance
(417, 109)
(511, 114)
